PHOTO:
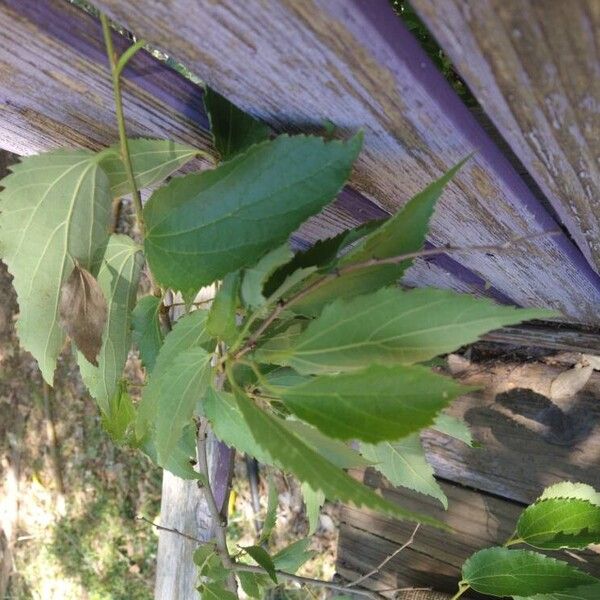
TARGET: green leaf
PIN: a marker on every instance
(568, 489)
(405, 231)
(586, 592)
(560, 523)
(55, 209)
(255, 277)
(209, 563)
(285, 377)
(401, 234)
(189, 332)
(271, 516)
(178, 392)
(152, 160)
(251, 584)
(393, 326)
(313, 501)
(293, 281)
(404, 464)
(216, 591)
(321, 254)
(334, 451)
(147, 333)
(453, 427)
(503, 572)
(261, 556)
(204, 225)
(292, 557)
(118, 277)
(221, 321)
(233, 130)
(221, 409)
(179, 461)
(119, 417)
(374, 404)
(299, 457)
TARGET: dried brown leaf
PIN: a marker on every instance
(83, 312)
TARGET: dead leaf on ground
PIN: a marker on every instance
(83, 312)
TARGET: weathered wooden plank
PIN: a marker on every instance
(56, 89)
(67, 100)
(514, 418)
(183, 508)
(435, 557)
(552, 338)
(535, 69)
(295, 64)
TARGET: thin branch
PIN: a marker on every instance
(213, 509)
(386, 560)
(255, 569)
(171, 530)
(375, 262)
(116, 66)
(199, 303)
(308, 581)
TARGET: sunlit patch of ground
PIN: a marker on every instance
(87, 543)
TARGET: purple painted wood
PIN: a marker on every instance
(75, 37)
(535, 69)
(354, 63)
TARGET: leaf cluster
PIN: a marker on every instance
(565, 516)
(298, 355)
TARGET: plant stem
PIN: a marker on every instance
(117, 65)
(375, 262)
(261, 571)
(170, 529)
(307, 580)
(386, 560)
(461, 590)
(216, 516)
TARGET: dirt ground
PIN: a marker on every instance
(69, 497)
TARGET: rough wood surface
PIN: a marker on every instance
(528, 442)
(548, 337)
(66, 100)
(183, 508)
(535, 69)
(56, 89)
(513, 417)
(435, 557)
(296, 64)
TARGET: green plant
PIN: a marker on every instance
(298, 354)
(566, 515)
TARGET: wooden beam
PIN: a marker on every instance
(512, 418)
(297, 64)
(56, 89)
(533, 66)
(555, 337)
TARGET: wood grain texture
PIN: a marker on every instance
(514, 418)
(551, 338)
(56, 89)
(535, 69)
(295, 64)
(435, 557)
(66, 100)
(183, 508)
